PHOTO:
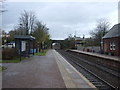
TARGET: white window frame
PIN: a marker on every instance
(112, 45)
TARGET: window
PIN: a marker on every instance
(112, 46)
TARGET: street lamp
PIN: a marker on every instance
(38, 47)
(21, 29)
(42, 46)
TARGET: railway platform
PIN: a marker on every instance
(50, 71)
(114, 58)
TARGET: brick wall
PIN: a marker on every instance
(106, 45)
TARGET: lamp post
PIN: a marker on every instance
(7, 39)
(2, 10)
(84, 42)
(42, 46)
(38, 47)
(20, 29)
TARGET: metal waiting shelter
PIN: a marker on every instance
(24, 44)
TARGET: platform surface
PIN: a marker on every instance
(115, 58)
(50, 71)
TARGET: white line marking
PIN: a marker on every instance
(77, 71)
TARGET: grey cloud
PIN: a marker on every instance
(62, 18)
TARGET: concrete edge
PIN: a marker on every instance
(87, 81)
(97, 55)
(67, 79)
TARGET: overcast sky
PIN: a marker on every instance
(63, 18)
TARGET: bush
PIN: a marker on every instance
(9, 54)
(112, 54)
(106, 53)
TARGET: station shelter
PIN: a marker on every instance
(24, 45)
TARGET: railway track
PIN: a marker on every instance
(103, 78)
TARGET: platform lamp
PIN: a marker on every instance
(42, 46)
(38, 45)
(20, 29)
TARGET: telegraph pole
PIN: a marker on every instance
(2, 10)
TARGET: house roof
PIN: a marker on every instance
(114, 32)
(78, 39)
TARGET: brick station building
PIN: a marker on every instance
(111, 41)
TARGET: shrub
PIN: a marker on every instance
(112, 54)
(9, 54)
(106, 53)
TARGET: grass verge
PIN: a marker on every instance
(41, 53)
(11, 61)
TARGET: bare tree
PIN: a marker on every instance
(101, 29)
(27, 21)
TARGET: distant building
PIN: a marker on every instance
(9, 45)
(111, 41)
(5, 35)
(79, 42)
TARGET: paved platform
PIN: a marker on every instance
(115, 58)
(50, 71)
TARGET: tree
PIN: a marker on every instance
(68, 43)
(4, 37)
(41, 34)
(11, 35)
(29, 25)
(27, 22)
(101, 29)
